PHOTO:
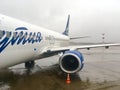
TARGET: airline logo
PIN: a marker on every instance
(20, 36)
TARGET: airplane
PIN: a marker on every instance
(21, 42)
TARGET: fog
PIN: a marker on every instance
(88, 17)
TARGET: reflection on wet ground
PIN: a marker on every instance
(48, 79)
(101, 72)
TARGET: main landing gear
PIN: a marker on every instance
(29, 64)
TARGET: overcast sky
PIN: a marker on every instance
(88, 17)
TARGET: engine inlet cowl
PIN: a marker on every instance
(71, 61)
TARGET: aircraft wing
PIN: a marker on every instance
(76, 47)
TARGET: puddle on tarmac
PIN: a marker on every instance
(48, 79)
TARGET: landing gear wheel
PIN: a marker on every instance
(29, 64)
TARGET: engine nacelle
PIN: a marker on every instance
(71, 61)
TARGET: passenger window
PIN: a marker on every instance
(34, 36)
(2, 33)
(21, 34)
(30, 35)
(26, 34)
(8, 34)
(15, 34)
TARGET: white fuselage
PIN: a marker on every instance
(21, 42)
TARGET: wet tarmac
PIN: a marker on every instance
(101, 72)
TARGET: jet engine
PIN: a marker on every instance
(71, 61)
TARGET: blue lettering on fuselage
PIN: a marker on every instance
(11, 38)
